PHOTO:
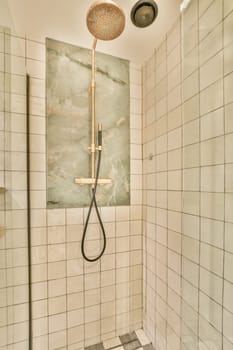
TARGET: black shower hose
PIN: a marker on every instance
(93, 202)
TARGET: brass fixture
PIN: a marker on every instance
(105, 21)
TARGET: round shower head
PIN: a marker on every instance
(105, 20)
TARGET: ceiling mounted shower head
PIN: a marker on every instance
(105, 20)
(144, 13)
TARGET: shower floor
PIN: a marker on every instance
(131, 341)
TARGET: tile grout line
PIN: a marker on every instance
(224, 204)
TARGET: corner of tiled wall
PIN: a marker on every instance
(187, 171)
(162, 189)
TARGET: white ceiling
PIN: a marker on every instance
(66, 21)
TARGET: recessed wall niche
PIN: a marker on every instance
(68, 78)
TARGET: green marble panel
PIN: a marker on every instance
(68, 76)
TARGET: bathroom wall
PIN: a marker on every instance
(187, 206)
(13, 201)
(187, 167)
(76, 304)
(162, 141)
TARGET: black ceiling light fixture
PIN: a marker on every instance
(144, 13)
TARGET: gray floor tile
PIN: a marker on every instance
(133, 345)
(129, 337)
(128, 341)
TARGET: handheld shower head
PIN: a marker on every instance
(105, 20)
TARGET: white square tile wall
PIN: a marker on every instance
(13, 218)
(187, 187)
(78, 304)
(181, 170)
(75, 304)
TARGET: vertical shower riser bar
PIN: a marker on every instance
(93, 117)
(29, 210)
